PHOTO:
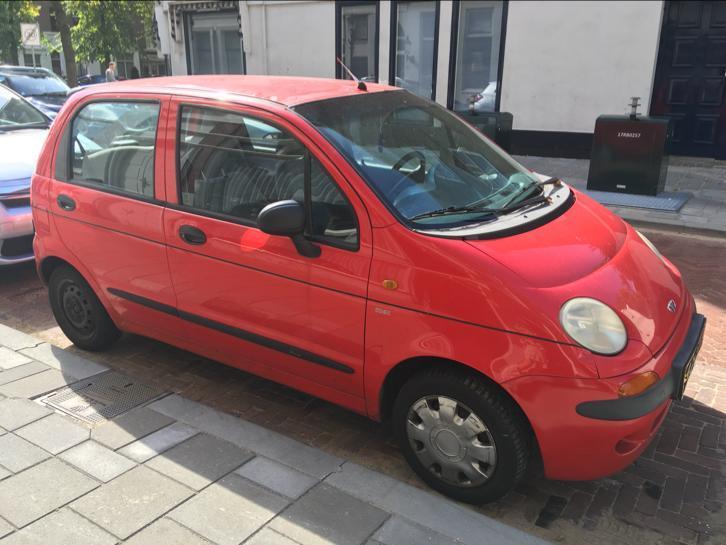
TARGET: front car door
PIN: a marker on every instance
(249, 298)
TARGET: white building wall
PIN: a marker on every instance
(168, 46)
(291, 38)
(567, 62)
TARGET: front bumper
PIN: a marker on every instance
(672, 384)
(613, 431)
(16, 231)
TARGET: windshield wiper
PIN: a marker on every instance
(8, 128)
(452, 210)
(539, 186)
(490, 213)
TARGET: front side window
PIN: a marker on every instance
(420, 158)
(477, 56)
(113, 145)
(415, 47)
(234, 165)
(359, 40)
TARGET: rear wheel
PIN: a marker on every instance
(461, 435)
(78, 311)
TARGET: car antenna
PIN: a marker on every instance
(361, 84)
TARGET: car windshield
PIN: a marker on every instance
(30, 85)
(422, 159)
(15, 113)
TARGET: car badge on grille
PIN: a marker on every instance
(671, 306)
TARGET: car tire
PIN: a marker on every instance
(79, 312)
(471, 459)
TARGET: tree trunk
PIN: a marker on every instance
(65, 33)
(14, 59)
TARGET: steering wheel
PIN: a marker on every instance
(397, 167)
(408, 156)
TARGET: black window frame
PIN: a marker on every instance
(339, 4)
(179, 204)
(453, 47)
(393, 41)
(64, 167)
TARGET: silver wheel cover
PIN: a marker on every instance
(451, 441)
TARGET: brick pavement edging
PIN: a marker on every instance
(176, 471)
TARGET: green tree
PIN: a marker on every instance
(12, 13)
(103, 29)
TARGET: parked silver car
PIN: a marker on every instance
(23, 129)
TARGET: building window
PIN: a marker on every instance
(124, 69)
(214, 43)
(31, 58)
(357, 37)
(478, 44)
(55, 62)
(152, 68)
(415, 43)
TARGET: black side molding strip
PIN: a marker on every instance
(233, 331)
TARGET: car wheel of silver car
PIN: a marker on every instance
(79, 312)
(461, 435)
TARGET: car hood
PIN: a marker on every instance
(20, 150)
(590, 252)
(49, 105)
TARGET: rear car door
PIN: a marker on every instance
(251, 297)
(107, 204)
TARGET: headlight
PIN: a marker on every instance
(594, 325)
(649, 244)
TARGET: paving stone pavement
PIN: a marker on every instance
(178, 472)
(673, 495)
(705, 180)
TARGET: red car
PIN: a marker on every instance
(366, 246)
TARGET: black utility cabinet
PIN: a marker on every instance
(496, 125)
(629, 154)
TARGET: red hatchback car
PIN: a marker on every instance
(368, 247)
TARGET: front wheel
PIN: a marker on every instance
(78, 311)
(461, 435)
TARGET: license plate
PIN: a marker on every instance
(685, 374)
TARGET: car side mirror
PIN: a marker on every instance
(287, 219)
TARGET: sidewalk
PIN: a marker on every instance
(173, 471)
(705, 179)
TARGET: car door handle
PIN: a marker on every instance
(192, 235)
(66, 203)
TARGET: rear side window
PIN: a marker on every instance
(113, 146)
(234, 165)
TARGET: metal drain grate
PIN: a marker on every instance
(665, 201)
(101, 397)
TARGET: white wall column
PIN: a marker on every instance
(384, 40)
(442, 63)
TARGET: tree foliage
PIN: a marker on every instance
(12, 13)
(105, 29)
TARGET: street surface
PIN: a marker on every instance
(674, 494)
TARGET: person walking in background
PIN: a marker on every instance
(111, 71)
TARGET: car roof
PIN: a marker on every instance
(20, 70)
(285, 90)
